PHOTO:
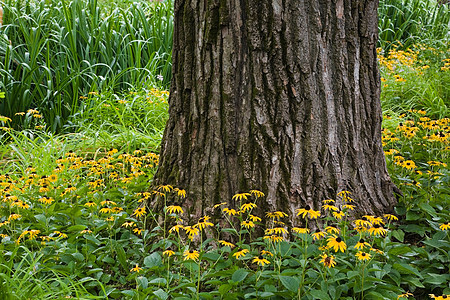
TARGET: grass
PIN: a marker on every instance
(73, 221)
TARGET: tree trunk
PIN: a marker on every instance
(282, 96)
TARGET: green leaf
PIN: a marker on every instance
(406, 269)
(76, 228)
(437, 279)
(239, 275)
(142, 282)
(320, 295)
(428, 208)
(402, 249)
(399, 235)
(412, 216)
(289, 282)
(224, 288)
(161, 294)
(121, 256)
(41, 219)
(78, 256)
(153, 260)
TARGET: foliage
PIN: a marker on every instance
(413, 21)
(53, 52)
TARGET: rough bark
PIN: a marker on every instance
(281, 96)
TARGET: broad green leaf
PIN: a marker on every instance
(289, 282)
(78, 256)
(239, 275)
(406, 269)
(153, 260)
(402, 249)
(161, 294)
(320, 295)
(224, 288)
(142, 282)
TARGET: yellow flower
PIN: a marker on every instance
(329, 207)
(139, 212)
(276, 215)
(408, 164)
(136, 269)
(260, 261)
(276, 230)
(376, 250)
(191, 231)
(336, 243)
(248, 224)
(180, 193)
(318, 235)
(105, 210)
(14, 217)
(265, 252)
(191, 254)
(445, 226)
(176, 228)
(332, 229)
(240, 253)
(273, 238)
(90, 203)
(173, 209)
(307, 211)
(138, 230)
(241, 196)
(203, 223)
(300, 230)
(338, 215)
(226, 244)
(85, 231)
(220, 204)
(327, 260)
(390, 217)
(168, 253)
(108, 202)
(328, 201)
(405, 295)
(248, 206)
(362, 255)
(230, 212)
(348, 206)
(60, 234)
(111, 218)
(361, 244)
(254, 218)
(377, 230)
(257, 193)
(165, 188)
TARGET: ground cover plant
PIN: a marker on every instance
(74, 220)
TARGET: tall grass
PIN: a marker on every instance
(413, 21)
(53, 52)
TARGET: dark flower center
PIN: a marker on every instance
(361, 241)
(338, 240)
(376, 226)
(260, 257)
(191, 251)
(363, 254)
(307, 207)
(364, 218)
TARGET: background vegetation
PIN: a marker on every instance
(82, 110)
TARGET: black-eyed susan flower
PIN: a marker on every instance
(332, 229)
(328, 201)
(405, 295)
(317, 235)
(247, 224)
(254, 218)
(138, 231)
(390, 217)
(176, 228)
(174, 209)
(105, 210)
(203, 223)
(348, 206)
(241, 196)
(300, 230)
(307, 211)
(108, 202)
(330, 207)
(257, 194)
(338, 214)
(276, 215)
(260, 260)
(180, 193)
(191, 254)
(165, 188)
(227, 244)
(445, 226)
(136, 269)
(377, 229)
(361, 244)
(276, 230)
(230, 212)
(191, 231)
(168, 253)
(87, 230)
(90, 203)
(378, 251)
(14, 217)
(240, 253)
(248, 206)
(265, 252)
(274, 238)
(408, 164)
(60, 234)
(128, 224)
(139, 212)
(362, 255)
(336, 243)
(328, 260)
(220, 204)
